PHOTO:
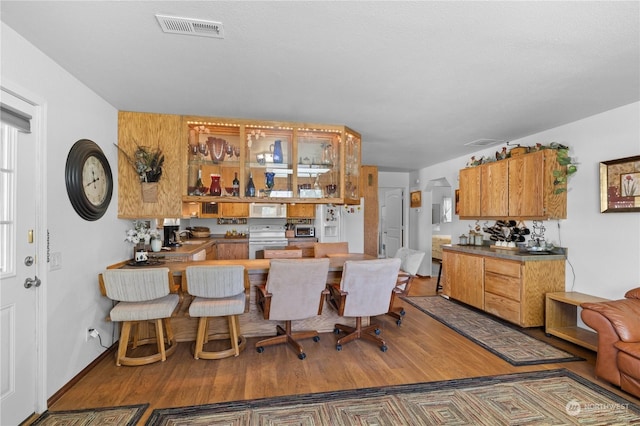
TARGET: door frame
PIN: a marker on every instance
(38, 128)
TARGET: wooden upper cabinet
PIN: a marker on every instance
(299, 210)
(469, 202)
(526, 185)
(150, 130)
(519, 187)
(494, 185)
(232, 210)
(532, 192)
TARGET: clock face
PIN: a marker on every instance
(89, 180)
(94, 181)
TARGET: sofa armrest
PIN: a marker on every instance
(633, 293)
(606, 365)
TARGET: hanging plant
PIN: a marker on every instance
(569, 167)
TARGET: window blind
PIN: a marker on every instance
(15, 118)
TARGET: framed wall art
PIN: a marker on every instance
(620, 185)
(416, 199)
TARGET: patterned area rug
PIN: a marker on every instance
(125, 416)
(500, 338)
(544, 397)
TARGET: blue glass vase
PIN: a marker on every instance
(277, 151)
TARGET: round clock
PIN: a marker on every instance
(89, 180)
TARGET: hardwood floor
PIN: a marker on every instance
(421, 350)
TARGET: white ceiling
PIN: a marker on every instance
(418, 80)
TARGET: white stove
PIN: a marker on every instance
(266, 236)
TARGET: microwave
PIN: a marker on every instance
(304, 231)
(267, 210)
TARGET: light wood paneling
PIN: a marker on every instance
(151, 130)
(369, 188)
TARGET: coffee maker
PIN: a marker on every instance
(169, 235)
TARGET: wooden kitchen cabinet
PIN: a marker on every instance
(229, 250)
(311, 163)
(469, 202)
(231, 210)
(464, 278)
(513, 290)
(532, 189)
(150, 130)
(518, 187)
(301, 211)
(494, 187)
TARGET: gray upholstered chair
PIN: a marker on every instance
(364, 291)
(295, 290)
(410, 261)
(143, 295)
(220, 291)
(322, 249)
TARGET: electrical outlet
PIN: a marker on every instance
(92, 333)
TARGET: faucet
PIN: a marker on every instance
(178, 234)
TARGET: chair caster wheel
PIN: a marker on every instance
(316, 338)
(377, 331)
(260, 349)
(547, 334)
(402, 312)
(302, 355)
(383, 348)
(399, 322)
(336, 331)
(338, 347)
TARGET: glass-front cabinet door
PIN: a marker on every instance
(239, 160)
(352, 162)
(214, 150)
(318, 164)
(268, 167)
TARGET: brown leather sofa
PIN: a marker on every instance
(618, 325)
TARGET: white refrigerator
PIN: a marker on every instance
(341, 223)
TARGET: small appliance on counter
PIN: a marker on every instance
(170, 227)
(304, 231)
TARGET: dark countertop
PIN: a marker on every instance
(485, 250)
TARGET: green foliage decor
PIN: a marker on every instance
(146, 162)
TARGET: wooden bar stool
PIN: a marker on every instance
(142, 295)
(221, 291)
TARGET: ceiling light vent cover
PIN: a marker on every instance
(484, 142)
(189, 26)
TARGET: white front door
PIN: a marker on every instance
(392, 223)
(18, 262)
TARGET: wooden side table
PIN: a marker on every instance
(561, 318)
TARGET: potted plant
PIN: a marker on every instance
(148, 164)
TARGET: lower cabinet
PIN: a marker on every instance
(509, 289)
(464, 279)
(225, 251)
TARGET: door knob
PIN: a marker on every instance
(32, 282)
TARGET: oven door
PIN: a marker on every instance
(255, 246)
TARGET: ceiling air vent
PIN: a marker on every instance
(189, 26)
(484, 142)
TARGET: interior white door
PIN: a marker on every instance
(19, 262)
(392, 223)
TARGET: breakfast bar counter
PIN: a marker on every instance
(252, 323)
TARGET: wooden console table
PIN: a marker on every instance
(561, 318)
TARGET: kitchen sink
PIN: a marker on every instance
(192, 242)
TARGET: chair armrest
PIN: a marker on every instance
(247, 291)
(263, 300)
(325, 293)
(337, 297)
